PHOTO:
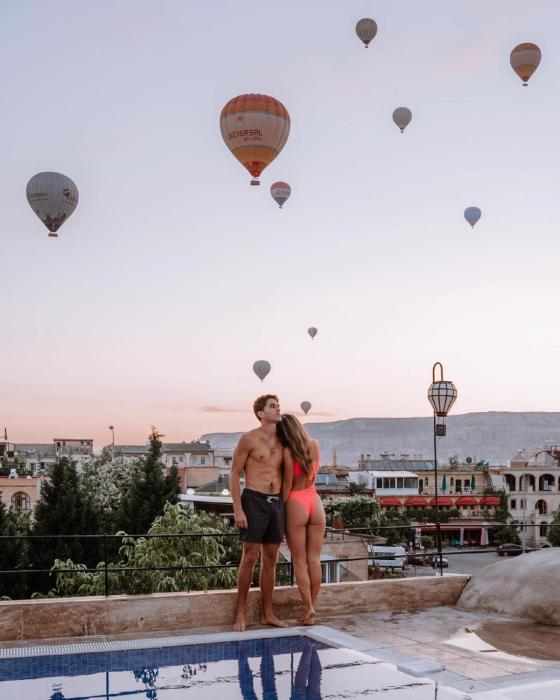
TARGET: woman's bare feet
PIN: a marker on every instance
(272, 620)
(308, 617)
(239, 624)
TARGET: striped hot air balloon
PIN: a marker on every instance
(53, 197)
(255, 128)
(280, 191)
(525, 59)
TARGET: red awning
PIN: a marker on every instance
(442, 501)
(490, 501)
(389, 501)
(416, 501)
(466, 501)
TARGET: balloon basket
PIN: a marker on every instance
(254, 183)
(53, 235)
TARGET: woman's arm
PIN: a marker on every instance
(287, 473)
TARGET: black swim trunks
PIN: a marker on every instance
(265, 517)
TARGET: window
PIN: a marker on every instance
(21, 501)
(522, 503)
(379, 483)
(543, 529)
(203, 460)
(513, 504)
(400, 482)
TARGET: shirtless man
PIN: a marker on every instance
(259, 511)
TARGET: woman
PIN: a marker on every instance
(305, 517)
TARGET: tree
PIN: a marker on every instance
(354, 489)
(106, 482)
(13, 553)
(149, 491)
(64, 508)
(201, 550)
(426, 542)
(554, 530)
(357, 511)
(16, 462)
(504, 532)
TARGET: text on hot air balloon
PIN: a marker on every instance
(246, 134)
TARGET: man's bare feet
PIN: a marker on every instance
(272, 620)
(308, 617)
(239, 624)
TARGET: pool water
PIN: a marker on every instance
(284, 668)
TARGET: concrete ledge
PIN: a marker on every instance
(180, 612)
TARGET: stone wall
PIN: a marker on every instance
(187, 612)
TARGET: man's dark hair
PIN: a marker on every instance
(260, 403)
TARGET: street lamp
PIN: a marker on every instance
(112, 429)
(442, 395)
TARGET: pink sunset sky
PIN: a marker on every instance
(174, 275)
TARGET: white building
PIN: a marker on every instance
(533, 489)
(387, 483)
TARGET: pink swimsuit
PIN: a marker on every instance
(307, 496)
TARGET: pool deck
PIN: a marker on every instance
(482, 655)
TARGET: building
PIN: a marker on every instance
(195, 461)
(78, 450)
(532, 484)
(20, 492)
(391, 462)
(36, 456)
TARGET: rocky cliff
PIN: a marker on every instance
(495, 436)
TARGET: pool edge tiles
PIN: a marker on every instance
(148, 642)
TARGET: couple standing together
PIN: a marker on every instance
(280, 462)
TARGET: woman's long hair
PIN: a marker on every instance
(292, 435)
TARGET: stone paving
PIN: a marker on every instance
(476, 646)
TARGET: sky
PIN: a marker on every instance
(174, 275)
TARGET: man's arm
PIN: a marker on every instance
(240, 456)
(287, 473)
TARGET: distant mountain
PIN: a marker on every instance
(495, 436)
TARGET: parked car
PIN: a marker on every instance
(418, 559)
(435, 561)
(509, 549)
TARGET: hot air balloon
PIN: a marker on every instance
(261, 368)
(472, 215)
(366, 29)
(280, 192)
(525, 59)
(255, 129)
(305, 407)
(53, 197)
(402, 117)
(312, 332)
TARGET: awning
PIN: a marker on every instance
(466, 501)
(442, 501)
(416, 501)
(389, 501)
(490, 501)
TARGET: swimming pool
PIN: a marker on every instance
(292, 667)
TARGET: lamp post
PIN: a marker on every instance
(441, 395)
(112, 429)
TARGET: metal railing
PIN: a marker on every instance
(333, 536)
